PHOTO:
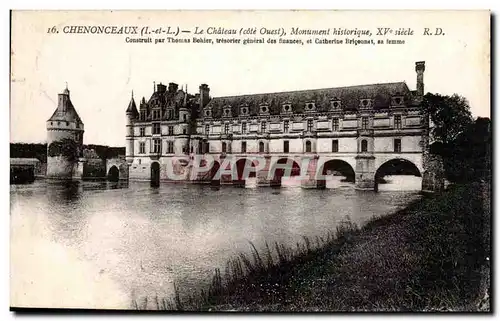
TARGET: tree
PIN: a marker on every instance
(450, 115)
(65, 147)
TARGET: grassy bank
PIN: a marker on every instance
(430, 256)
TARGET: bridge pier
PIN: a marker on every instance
(365, 172)
(263, 174)
(310, 174)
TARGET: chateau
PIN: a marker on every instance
(362, 132)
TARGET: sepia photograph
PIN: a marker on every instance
(250, 161)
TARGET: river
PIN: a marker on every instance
(102, 244)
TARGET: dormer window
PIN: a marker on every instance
(264, 109)
(366, 103)
(227, 111)
(335, 104)
(286, 108)
(397, 100)
(310, 106)
(207, 113)
(244, 110)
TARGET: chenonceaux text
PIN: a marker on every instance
(117, 30)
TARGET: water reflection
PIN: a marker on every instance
(142, 239)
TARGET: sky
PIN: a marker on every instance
(102, 70)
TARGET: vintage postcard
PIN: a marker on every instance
(256, 161)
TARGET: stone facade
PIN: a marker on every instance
(360, 131)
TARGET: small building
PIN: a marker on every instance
(24, 170)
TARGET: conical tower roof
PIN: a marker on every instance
(132, 108)
(65, 110)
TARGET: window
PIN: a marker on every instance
(364, 123)
(224, 147)
(184, 117)
(243, 147)
(207, 129)
(244, 128)
(139, 161)
(364, 146)
(286, 146)
(143, 115)
(335, 146)
(261, 147)
(142, 148)
(397, 145)
(263, 127)
(226, 128)
(142, 131)
(157, 146)
(308, 146)
(170, 147)
(335, 124)
(156, 128)
(397, 121)
(170, 130)
(170, 113)
(285, 126)
(309, 125)
(184, 131)
(208, 147)
(156, 114)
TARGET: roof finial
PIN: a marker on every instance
(154, 86)
(66, 85)
(132, 94)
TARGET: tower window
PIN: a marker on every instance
(207, 129)
(364, 123)
(364, 146)
(397, 121)
(224, 147)
(335, 146)
(261, 147)
(184, 117)
(263, 126)
(243, 147)
(170, 130)
(156, 128)
(286, 146)
(309, 125)
(157, 146)
(285, 126)
(397, 145)
(244, 128)
(170, 147)
(308, 146)
(226, 128)
(142, 148)
(156, 114)
(184, 131)
(142, 131)
(335, 124)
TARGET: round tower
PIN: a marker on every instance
(64, 140)
(131, 114)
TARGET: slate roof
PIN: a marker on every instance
(132, 108)
(349, 97)
(65, 110)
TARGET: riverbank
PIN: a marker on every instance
(431, 256)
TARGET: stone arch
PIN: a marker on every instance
(284, 167)
(155, 174)
(113, 174)
(242, 164)
(338, 167)
(396, 166)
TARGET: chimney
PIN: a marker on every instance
(420, 68)
(161, 88)
(204, 95)
(172, 87)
